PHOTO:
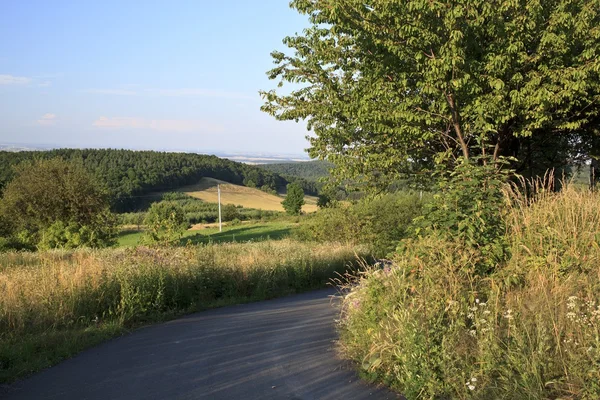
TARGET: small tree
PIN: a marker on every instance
(47, 196)
(165, 222)
(230, 212)
(294, 200)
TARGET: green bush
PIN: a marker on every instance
(380, 222)
(469, 206)
(52, 203)
(165, 222)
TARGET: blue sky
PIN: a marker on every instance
(144, 74)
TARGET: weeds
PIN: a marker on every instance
(433, 327)
(53, 304)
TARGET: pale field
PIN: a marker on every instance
(206, 190)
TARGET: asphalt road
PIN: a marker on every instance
(277, 349)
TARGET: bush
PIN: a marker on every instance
(165, 222)
(230, 212)
(432, 326)
(380, 222)
(46, 196)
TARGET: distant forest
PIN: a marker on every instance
(130, 175)
(309, 170)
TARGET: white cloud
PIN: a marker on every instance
(164, 125)
(47, 119)
(14, 80)
(44, 84)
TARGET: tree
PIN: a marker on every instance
(230, 212)
(294, 199)
(165, 222)
(53, 195)
(390, 86)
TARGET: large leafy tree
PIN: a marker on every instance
(390, 85)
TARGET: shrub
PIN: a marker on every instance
(380, 222)
(48, 195)
(165, 222)
(230, 212)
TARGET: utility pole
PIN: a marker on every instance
(219, 194)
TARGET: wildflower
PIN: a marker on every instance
(473, 379)
(471, 387)
(477, 301)
(473, 332)
(487, 312)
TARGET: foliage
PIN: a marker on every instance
(131, 177)
(432, 326)
(99, 234)
(386, 85)
(379, 222)
(47, 196)
(165, 222)
(309, 170)
(230, 212)
(468, 207)
(324, 200)
(294, 199)
(198, 211)
(52, 301)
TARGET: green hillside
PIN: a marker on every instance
(309, 170)
(132, 176)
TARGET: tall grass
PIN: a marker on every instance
(50, 298)
(433, 328)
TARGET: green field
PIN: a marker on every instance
(236, 233)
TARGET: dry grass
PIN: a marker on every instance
(206, 190)
(47, 296)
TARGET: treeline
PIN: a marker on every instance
(309, 170)
(130, 175)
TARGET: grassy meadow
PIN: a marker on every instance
(242, 232)
(206, 190)
(56, 303)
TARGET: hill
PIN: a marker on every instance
(206, 190)
(131, 176)
(309, 170)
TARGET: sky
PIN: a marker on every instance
(158, 75)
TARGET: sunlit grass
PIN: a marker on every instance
(53, 304)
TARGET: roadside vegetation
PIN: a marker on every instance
(518, 318)
(492, 289)
(56, 303)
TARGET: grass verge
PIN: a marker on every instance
(231, 233)
(54, 304)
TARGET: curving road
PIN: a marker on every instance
(277, 349)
